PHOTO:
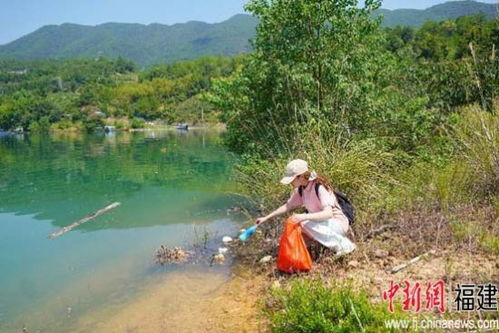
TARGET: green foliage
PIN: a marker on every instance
(331, 60)
(440, 12)
(466, 175)
(144, 44)
(92, 123)
(42, 126)
(310, 306)
(156, 43)
(362, 168)
(137, 123)
(378, 113)
(477, 138)
(69, 88)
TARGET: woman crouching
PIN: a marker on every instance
(324, 221)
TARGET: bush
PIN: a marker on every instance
(137, 123)
(310, 306)
(477, 138)
(92, 123)
(361, 168)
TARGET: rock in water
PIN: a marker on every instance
(165, 255)
(226, 239)
(219, 258)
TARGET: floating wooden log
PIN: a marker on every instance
(83, 220)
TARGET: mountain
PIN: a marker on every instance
(158, 43)
(447, 10)
(145, 44)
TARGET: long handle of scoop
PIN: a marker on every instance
(83, 220)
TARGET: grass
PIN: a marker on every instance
(477, 138)
(308, 305)
(447, 202)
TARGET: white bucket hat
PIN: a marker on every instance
(296, 168)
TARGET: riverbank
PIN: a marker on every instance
(187, 301)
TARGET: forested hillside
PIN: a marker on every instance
(80, 94)
(157, 43)
(445, 11)
(145, 44)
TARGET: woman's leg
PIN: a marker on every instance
(314, 247)
(330, 234)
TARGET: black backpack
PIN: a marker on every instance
(345, 204)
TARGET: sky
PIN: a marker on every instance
(20, 17)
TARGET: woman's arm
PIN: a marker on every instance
(324, 214)
(279, 211)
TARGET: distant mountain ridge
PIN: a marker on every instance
(145, 44)
(158, 43)
(447, 10)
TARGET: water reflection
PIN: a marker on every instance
(167, 175)
(168, 183)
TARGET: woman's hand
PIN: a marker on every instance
(260, 220)
(297, 218)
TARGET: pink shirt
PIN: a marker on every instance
(314, 203)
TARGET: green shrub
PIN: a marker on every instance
(477, 138)
(137, 123)
(432, 185)
(119, 124)
(92, 123)
(310, 306)
(43, 125)
(361, 168)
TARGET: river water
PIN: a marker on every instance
(174, 187)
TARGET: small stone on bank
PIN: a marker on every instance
(381, 253)
(353, 263)
(265, 259)
(226, 239)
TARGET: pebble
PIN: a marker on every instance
(381, 253)
(220, 258)
(223, 250)
(226, 239)
(265, 259)
(353, 263)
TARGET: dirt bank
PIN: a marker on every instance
(186, 301)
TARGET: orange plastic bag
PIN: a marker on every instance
(293, 254)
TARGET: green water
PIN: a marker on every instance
(172, 187)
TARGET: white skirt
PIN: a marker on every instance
(329, 233)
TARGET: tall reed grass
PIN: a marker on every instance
(385, 187)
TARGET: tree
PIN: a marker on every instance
(324, 55)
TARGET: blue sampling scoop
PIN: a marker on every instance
(248, 233)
